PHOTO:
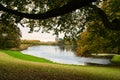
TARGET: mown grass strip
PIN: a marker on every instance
(116, 59)
(19, 55)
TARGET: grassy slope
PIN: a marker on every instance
(116, 59)
(16, 68)
(19, 55)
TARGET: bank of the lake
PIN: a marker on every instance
(14, 67)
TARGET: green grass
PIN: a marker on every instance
(15, 68)
(19, 55)
(116, 59)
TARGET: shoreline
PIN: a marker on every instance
(23, 47)
(26, 46)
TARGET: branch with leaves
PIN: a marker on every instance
(114, 25)
(59, 11)
(71, 6)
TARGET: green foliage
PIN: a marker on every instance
(32, 42)
(73, 24)
(12, 35)
(96, 38)
(36, 42)
(112, 8)
(70, 24)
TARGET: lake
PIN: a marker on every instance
(63, 56)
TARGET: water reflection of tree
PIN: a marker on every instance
(66, 47)
(67, 44)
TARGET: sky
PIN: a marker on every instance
(37, 35)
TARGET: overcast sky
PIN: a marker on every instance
(37, 35)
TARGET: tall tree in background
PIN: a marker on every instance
(9, 35)
(98, 39)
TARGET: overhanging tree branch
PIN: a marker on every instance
(71, 6)
(59, 11)
(109, 25)
(102, 15)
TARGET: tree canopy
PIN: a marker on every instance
(9, 35)
(96, 38)
(62, 16)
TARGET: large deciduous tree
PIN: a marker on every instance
(9, 35)
(98, 39)
(66, 16)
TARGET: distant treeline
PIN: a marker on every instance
(37, 42)
(30, 41)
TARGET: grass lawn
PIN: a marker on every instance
(116, 59)
(19, 55)
(17, 66)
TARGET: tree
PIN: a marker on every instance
(98, 39)
(9, 35)
(93, 40)
(57, 14)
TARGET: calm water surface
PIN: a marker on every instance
(56, 54)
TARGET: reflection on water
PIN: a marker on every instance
(62, 55)
(65, 47)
